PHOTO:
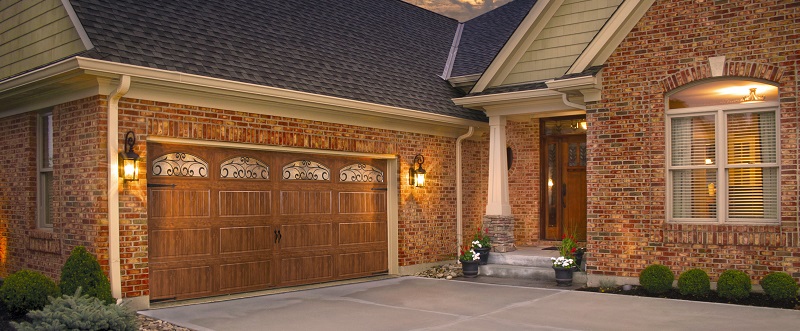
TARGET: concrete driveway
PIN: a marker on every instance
(411, 303)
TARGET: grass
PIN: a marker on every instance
(755, 299)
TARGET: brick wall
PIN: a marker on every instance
(669, 48)
(523, 180)
(475, 165)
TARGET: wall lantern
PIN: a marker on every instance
(128, 159)
(416, 177)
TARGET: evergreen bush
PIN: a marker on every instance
(80, 312)
(694, 282)
(82, 270)
(656, 279)
(733, 285)
(779, 286)
(27, 290)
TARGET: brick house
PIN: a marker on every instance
(280, 151)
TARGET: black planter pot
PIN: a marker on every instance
(578, 259)
(470, 268)
(484, 252)
(563, 276)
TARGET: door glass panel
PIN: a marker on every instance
(573, 154)
(552, 220)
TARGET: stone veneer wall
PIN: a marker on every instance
(669, 48)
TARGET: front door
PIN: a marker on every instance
(564, 179)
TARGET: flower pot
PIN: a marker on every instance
(470, 268)
(578, 259)
(563, 276)
(484, 254)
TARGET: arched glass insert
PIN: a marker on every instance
(360, 173)
(180, 164)
(723, 92)
(306, 170)
(243, 167)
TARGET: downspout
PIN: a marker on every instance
(570, 103)
(459, 184)
(113, 185)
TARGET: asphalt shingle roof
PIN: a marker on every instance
(380, 51)
(484, 36)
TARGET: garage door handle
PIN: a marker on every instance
(280, 236)
(276, 236)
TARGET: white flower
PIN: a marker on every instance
(477, 243)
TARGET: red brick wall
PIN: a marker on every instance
(475, 167)
(523, 180)
(669, 48)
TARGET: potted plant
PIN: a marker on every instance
(482, 245)
(564, 268)
(469, 260)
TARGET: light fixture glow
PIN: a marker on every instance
(128, 159)
(416, 177)
(550, 182)
(752, 97)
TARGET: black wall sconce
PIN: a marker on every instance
(416, 177)
(128, 159)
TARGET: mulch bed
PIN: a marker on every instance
(755, 299)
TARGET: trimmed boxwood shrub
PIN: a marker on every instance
(27, 290)
(779, 286)
(82, 270)
(656, 279)
(694, 282)
(733, 285)
(79, 312)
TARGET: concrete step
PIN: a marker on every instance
(520, 260)
(526, 272)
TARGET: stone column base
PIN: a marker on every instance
(501, 232)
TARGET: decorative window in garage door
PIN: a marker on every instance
(306, 170)
(180, 164)
(360, 173)
(244, 167)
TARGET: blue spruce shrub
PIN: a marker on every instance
(79, 312)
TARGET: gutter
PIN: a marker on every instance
(113, 185)
(459, 187)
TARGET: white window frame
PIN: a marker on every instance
(41, 170)
(721, 156)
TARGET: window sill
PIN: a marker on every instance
(723, 234)
(44, 240)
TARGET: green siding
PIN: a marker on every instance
(35, 32)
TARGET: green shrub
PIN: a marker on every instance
(694, 282)
(656, 279)
(733, 285)
(82, 270)
(779, 286)
(79, 312)
(27, 290)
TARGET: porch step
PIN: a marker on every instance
(529, 263)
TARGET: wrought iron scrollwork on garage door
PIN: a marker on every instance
(243, 167)
(361, 173)
(306, 170)
(180, 164)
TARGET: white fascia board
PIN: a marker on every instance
(576, 83)
(466, 79)
(488, 99)
(180, 81)
(611, 35)
(517, 44)
(77, 23)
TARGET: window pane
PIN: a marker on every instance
(753, 193)
(46, 209)
(693, 141)
(47, 140)
(752, 138)
(694, 193)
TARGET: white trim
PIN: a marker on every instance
(393, 214)
(463, 80)
(517, 44)
(41, 203)
(480, 100)
(451, 58)
(77, 23)
(224, 144)
(611, 35)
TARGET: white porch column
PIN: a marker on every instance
(498, 204)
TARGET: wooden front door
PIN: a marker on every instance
(225, 220)
(564, 189)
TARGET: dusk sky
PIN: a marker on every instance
(461, 10)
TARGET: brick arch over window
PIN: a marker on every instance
(731, 69)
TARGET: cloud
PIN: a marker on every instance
(461, 10)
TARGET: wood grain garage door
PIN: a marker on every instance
(227, 220)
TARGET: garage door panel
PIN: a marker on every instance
(362, 202)
(306, 269)
(362, 233)
(304, 236)
(245, 203)
(179, 203)
(180, 243)
(243, 276)
(362, 263)
(245, 239)
(305, 202)
(181, 282)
